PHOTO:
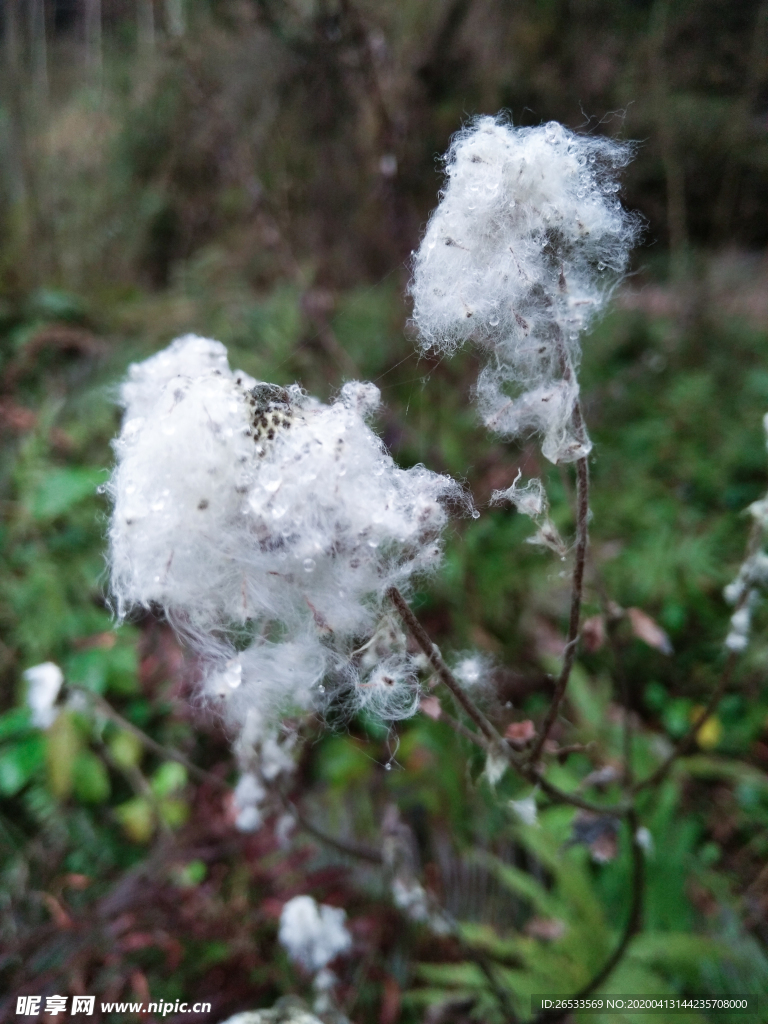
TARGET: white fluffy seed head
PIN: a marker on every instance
(521, 254)
(264, 524)
(472, 670)
(391, 689)
(313, 934)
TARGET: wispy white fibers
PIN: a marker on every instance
(531, 500)
(267, 527)
(520, 255)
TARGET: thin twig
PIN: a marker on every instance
(561, 797)
(447, 677)
(531, 772)
(573, 748)
(492, 743)
(633, 926)
(485, 963)
(569, 656)
(687, 741)
(359, 851)
(582, 539)
(157, 748)
(490, 740)
(635, 920)
(462, 730)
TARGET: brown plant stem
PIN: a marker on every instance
(577, 588)
(561, 797)
(462, 730)
(485, 964)
(499, 746)
(357, 850)
(447, 677)
(168, 753)
(633, 926)
(687, 741)
(635, 920)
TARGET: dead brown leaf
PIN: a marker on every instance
(520, 733)
(593, 633)
(549, 929)
(649, 631)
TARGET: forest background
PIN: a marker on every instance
(259, 172)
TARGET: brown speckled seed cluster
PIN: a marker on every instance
(268, 415)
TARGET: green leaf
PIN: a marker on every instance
(137, 819)
(88, 669)
(123, 667)
(56, 304)
(90, 779)
(341, 760)
(61, 489)
(189, 875)
(15, 722)
(19, 762)
(103, 668)
(525, 885)
(174, 812)
(126, 749)
(63, 746)
(468, 976)
(677, 716)
(214, 952)
(169, 777)
(588, 697)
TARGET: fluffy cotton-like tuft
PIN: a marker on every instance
(313, 934)
(531, 500)
(267, 527)
(521, 254)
